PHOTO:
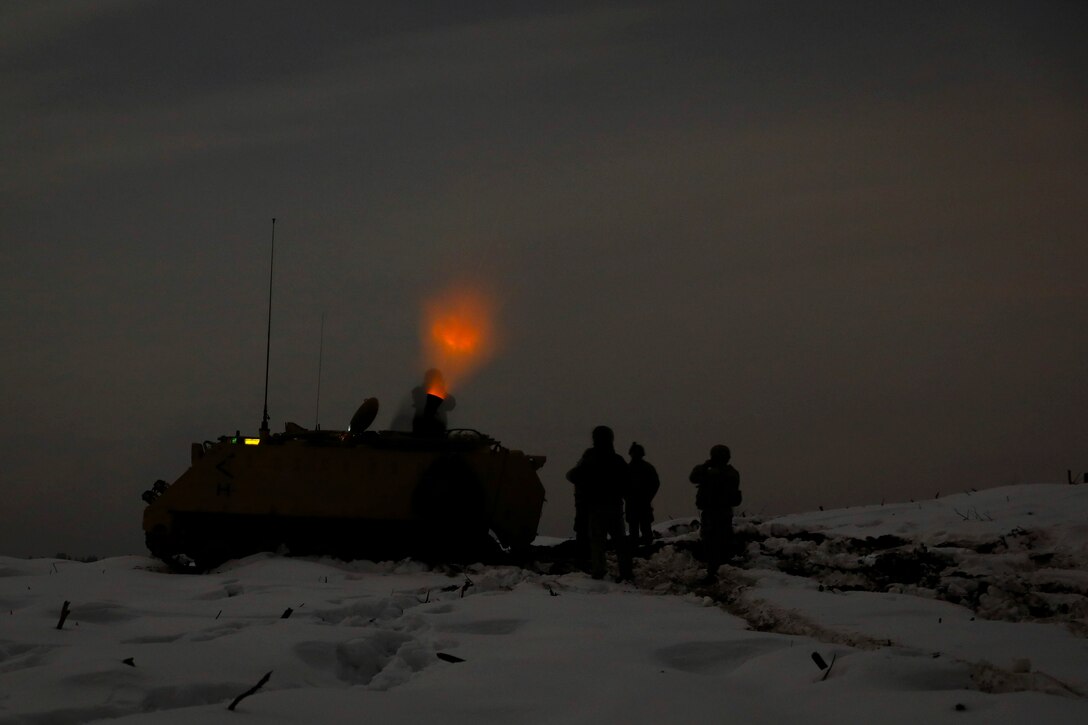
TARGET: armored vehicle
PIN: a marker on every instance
(433, 493)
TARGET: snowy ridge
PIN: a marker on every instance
(1012, 553)
(925, 612)
(974, 515)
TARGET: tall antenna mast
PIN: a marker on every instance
(320, 354)
(268, 339)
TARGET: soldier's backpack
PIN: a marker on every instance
(718, 487)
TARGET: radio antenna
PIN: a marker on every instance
(268, 339)
(320, 354)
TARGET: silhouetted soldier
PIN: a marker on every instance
(718, 491)
(600, 479)
(640, 496)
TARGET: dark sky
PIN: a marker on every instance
(850, 240)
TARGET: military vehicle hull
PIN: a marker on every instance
(374, 495)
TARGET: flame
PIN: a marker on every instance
(435, 383)
(458, 336)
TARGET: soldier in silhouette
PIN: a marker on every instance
(600, 480)
(717, 492)
(638, 504)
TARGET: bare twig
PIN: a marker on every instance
(64, 612)
(250, 691)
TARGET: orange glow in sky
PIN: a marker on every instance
(458, 333)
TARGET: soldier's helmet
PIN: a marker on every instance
(603, 436)
(720, 454)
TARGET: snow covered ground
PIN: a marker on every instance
(966, 608)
